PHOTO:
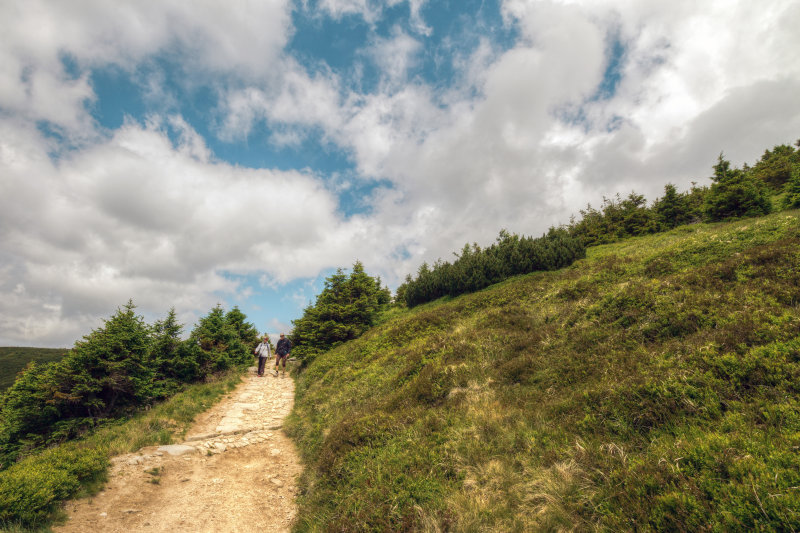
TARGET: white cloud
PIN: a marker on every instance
(371, 10)
(521, 139)
(525, 140)
(42, 37)
(394, 56)
(138, 217)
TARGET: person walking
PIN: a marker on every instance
(263, 351)
(282, 353)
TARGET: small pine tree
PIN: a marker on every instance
(735, 194)
(345, 308)
(673, 208)
(792, 198)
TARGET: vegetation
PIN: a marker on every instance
(346, 307)
(32, 489)
(475, 269)
(734, 193)
(112, 372)
(651, 386)
(13, 360)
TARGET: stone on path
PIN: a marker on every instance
(177, 449)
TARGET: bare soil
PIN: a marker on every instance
(236, 472)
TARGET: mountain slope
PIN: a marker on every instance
(13, 360)
(653, 385)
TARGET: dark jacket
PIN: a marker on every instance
(283, 346)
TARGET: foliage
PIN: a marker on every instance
(221, 341)
(651, 386)
(14, 359)
(617, 218)
(776, 166)
(32, 489)
(475, 269)
(792, 198)
(735, 194)
(676, 209)
(346, 307)
(118, 368)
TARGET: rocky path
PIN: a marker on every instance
(235, 472)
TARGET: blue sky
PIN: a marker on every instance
(184, 154)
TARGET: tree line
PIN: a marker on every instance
(476, 268)
(772, 183)
(118, 368)
(348, 306)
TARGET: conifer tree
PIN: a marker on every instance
(735, 194)
(346, 307)
(672, 209)
(792, 198)
(108, 369)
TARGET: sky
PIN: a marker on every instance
(188, 154)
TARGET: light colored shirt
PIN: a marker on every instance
(263, 350)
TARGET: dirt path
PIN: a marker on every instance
(236, 471)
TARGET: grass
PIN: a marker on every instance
(652, 386)
(13, 360)
(32, 490)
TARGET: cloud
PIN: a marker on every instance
(372, 10)
(147, 217)
(519, 137)
(394, 56)
(49, 47)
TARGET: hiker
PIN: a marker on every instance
(282, 352)
(263, 351)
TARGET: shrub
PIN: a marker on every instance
(475, 269)
(735, 194)
(31, 490)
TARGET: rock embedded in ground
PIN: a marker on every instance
(177, 449)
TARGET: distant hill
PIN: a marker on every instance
(653, 386)
(12, 360)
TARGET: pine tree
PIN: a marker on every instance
(735, 194)
(672, 209)
(792, 198)
(108, 369)
(346, 307)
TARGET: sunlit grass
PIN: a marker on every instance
(650, 386)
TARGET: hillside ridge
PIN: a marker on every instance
(652, 385)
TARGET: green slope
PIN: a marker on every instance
(652, 386)
(12, 360)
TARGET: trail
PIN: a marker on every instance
(235, 472)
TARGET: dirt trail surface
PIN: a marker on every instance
(236, 471)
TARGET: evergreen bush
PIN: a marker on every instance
(347, 306)
(475, 269)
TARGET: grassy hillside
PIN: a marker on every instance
(651, 386)
(12, 360)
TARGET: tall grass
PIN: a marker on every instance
(651, 386)
(32, 490)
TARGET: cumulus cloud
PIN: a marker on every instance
(49, 47)
(525, 134)
(145, 216)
